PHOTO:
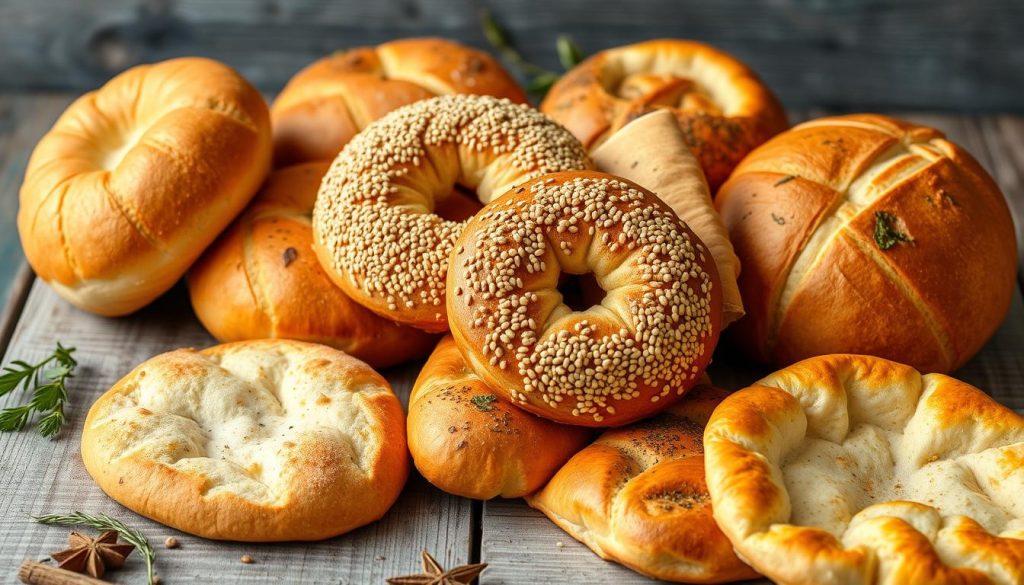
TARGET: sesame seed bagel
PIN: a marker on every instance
(638, 350)
(375, 230)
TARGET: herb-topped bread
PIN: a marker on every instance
(252, 441)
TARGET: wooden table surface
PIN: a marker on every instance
(40, 476)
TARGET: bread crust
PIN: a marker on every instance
(135, 179)
(261, 279)
(323, 106)
(468, 441)
(722, 107)
(637, 496)
(254, 441)
(626, 357)
(856, 469)
(802, 212)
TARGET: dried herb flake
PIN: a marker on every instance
(887, 234)
(289, 256)
(483, 402)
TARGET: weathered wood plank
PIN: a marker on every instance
(948, 54)
(41, 476)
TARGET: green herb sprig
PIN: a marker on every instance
(104, 522)
(48, 397)
(540, 79)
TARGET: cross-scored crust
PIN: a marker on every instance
(254, 441)
(855, 469)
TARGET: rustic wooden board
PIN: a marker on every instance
(39, 476)
(883, 54)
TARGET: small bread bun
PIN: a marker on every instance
(870, 235)
(255, 441)
(330, 101)
(855, 469)
(468, 441)
(376, 227)
(637, 496)
(630, 355)
(722, 107)
(261, 279)
(137, 178)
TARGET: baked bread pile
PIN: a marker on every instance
(581, 277)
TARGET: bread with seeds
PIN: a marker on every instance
(255, 441)
(135, 179)
(637, 496)
(261, 279)
(469, 441)
(871, 235)
(853, 469)
(378, 226)
(323, 106)
(721, 106)
(629, 354)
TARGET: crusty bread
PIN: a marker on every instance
(254, 441)
(261, 279)
(854, 469)
(624, 358)
(470, 442)
(328, 102)
(137, 178)
(870, 235)
(722, 107)
(375, 228)
(637, 496)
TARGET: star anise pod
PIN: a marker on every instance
(93, 555)
(433, 574)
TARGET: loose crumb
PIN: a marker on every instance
(247, 559)
(171, 542)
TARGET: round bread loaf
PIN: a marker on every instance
(866, 234)
(635, 351)
(375, 227)
(255, 441)
(637, 496)
(137, 178)
(261, 279)
(470, 442)
(723, 109)
(854, 469)
(330, 101)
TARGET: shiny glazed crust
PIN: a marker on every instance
(251, 441)
(137, 178)
(722, 107)
(261, 279)
(637, 496)
(854, 469)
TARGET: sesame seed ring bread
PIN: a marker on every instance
(261, 279)
(135, 179)
(637, 496)
(721, 106)
(323, 106)
(374, 224)
(854, 469)
(468, 441)
(628, 356)
(254, 441)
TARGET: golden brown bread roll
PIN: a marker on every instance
(328, 102)
(637, 496)
(853, 469)
(470, 442)
(261, 279)
(137, 178)
(626, 357)
(722, 107)
(871, 235)
(376, 224)
(256, 441)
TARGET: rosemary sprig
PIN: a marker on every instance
(48, 397)
(104, 522)
(540, 79)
